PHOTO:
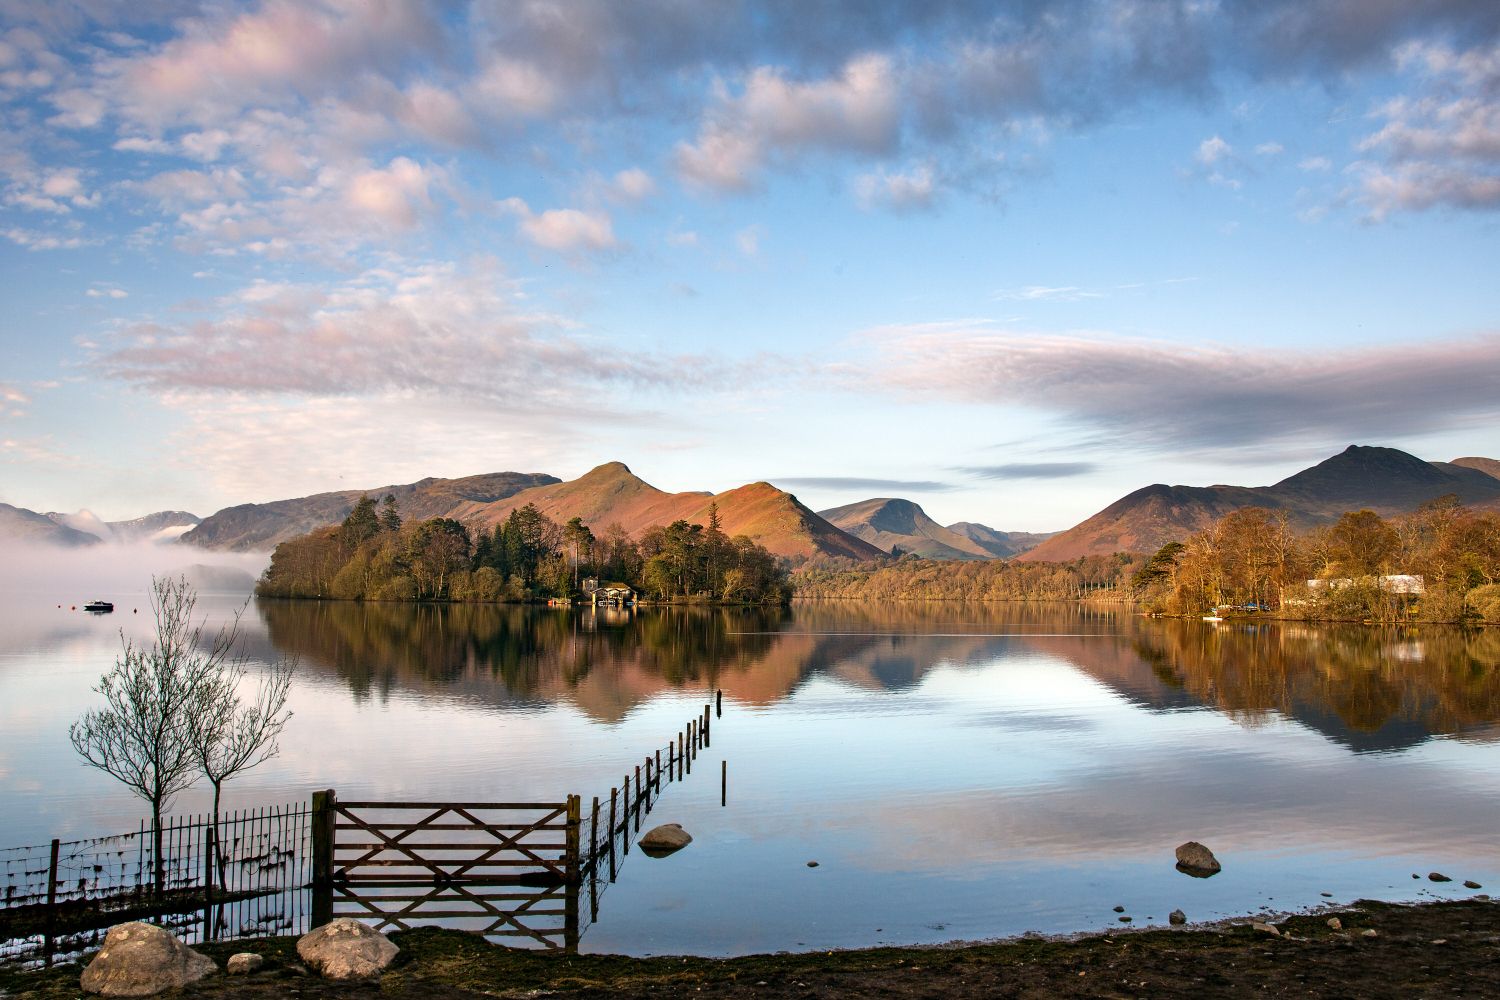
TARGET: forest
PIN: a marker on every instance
(911, 578)
(1360, 567)
(375, 555)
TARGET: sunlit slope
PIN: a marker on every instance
(1385, 480)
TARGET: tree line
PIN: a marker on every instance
(912, 579)
(1254, 558)
(375, 555)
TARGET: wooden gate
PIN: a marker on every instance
(501, 869)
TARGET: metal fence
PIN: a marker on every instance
(57, 899)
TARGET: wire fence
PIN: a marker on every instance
(243, 876)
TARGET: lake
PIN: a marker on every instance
(957, 772)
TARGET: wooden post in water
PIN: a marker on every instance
(658, 770)
(723, 783)
(707, 727)
(671, 762)
(611, 832)
(649, 786)
(324, 830)
(689, 754)
(208, 883)
(638, 791)
(570, 891)
(719, 703)
(625, 827)
(679, 757)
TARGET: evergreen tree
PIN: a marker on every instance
(361, 525)
(390, 517)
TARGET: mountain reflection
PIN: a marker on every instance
(1365, 688)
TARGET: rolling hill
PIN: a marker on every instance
(255, 526)
(17, 524)
(1385, 480)
(901, 526)
(1000, 544)
(612, 494)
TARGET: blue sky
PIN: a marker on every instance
(1011, 260)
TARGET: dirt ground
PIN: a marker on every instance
(1430, 950)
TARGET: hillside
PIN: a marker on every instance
(255, 526)
(1000, 544)
(1385, 480)
(612, 494)
(1488, 466)
(17, 524)
(894, 525)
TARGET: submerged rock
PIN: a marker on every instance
(1196, 860)
(142, 960)
(346, 949)
(1471, 884)
(663, 840)
(1438, 877)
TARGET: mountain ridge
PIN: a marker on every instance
(1385, 480)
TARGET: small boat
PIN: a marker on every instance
(99, 607)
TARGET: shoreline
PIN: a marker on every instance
(1449, 947)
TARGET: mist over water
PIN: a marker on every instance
(958, 772)
(122, 568)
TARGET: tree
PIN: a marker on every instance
(361, 525)
(390, 517)
(1362, 543)
(143, 735)
(229, 736)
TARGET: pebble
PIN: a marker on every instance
(1125, 920)
(244, 963)
(1369, 932)
(1119, 909)
(1335, 923)
(812, 864)
(1270, 929)
(1326, 895)
(1177, 917)
(1439, 940)
(1438, 877)
(1471, 884)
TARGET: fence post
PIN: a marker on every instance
(570, 906)
(707, 727)
(324, 820)
(51, 900)
(210, 842)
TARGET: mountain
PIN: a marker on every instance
(164, 525)
(1385, 480)
(1000, 544)
(893, 525)
(17, 524)
(612, 494)
(1489, 466)
(263, 525)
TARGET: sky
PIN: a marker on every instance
(1009, 260)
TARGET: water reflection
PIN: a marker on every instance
(1366, 689)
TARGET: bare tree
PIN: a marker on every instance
(229, 736)
(143, 735)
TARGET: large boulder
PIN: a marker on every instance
(142, 960)
(663, 840)
(1196, 860)
(346, 949)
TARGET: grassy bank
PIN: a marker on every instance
(1449, 949)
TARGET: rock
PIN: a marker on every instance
(346, 949)
(1439, 941)
(142, 960)
(1335, 923)
(812, 864)
(665, 839)
(1119, 909)
(1369, 932)
(1471, 884)
(1177, 917)
(1125, 920)
(244, 963)
(1196, 860)
(1270, 929)
(1438, 877)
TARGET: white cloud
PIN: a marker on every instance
(101, 291)
(633, 184)
(1316, 164)
(858, 111)
(912, 190)
(396, 195)
(1270, 149)
(748, 240)
(566, 230)
(1212, 150)
(1047, 293)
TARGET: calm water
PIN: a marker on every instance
(957, 772)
